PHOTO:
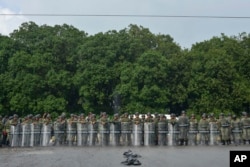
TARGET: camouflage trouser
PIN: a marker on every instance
(236, 133)
(224, 133)
(246, 133)
(204, 136)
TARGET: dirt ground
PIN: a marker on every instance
(179, 156)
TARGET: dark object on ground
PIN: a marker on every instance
(131, 158)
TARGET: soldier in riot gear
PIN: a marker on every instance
(104, 129)
(149, 130)
(183, 128)
(214, 130)
(193, 130)
(115, 130)
(173, 130)
(156, 120)
(14, 131)
(46, 130)
(137, 130)
(82, 131)
(203, 128)
(37, 129)
(224, 128)
(236, 128)
(71, 130)
(126, 129)
(162, 130)
(245, 121)
(93, 129)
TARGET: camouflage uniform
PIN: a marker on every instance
(173, 130)
(149, 130)
(162, 130)
(224, 128)
(82, 131)
(115, 130)
(104, 130)
(14, 131)
(214, 130)
(193, 130)
(46, 130)
(93, 130)
(71, 130)
(183, 128)
(37, 130)
(236, 130)
(245, 121)
(203, 130)
(137, 130)
(126, 130)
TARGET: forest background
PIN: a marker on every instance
(62, 69)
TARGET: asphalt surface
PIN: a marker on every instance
(178, 156)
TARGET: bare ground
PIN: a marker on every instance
(179, 156)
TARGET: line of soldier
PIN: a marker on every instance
(124, 130)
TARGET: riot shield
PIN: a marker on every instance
(57, 134)
(237, 133)
(36, 134)
(126, 133)
(31, 144)
(92, 134)
(25, 135)
(71, 134)
(162, 133)
(45, 134)
(149, 133)
(104, 134)
(82, 134)
(173, 134)
(137, 135)
(115, 133)
(192, 133)
(14, 136)
(203, 136)
(214, 133)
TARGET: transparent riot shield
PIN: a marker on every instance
(137, 134)
(149, 133)
(26, 135)
(71, 134)
(57, 134)
(126, 133)
(31, 144)
(104, 134)
(192, 133)
(82, 134)
(45, 134)
(237, 133)
(203, 136)
(14, 136)
(214, 133)
(162, 133)
(114, 133)
(36, 134)
(92, 134)
(173, 134)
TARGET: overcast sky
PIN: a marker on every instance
(185, 31)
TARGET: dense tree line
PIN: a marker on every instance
(62, 69)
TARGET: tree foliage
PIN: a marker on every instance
(62, 69)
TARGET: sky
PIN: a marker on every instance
(184, 31)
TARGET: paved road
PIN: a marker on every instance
(190, 156)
